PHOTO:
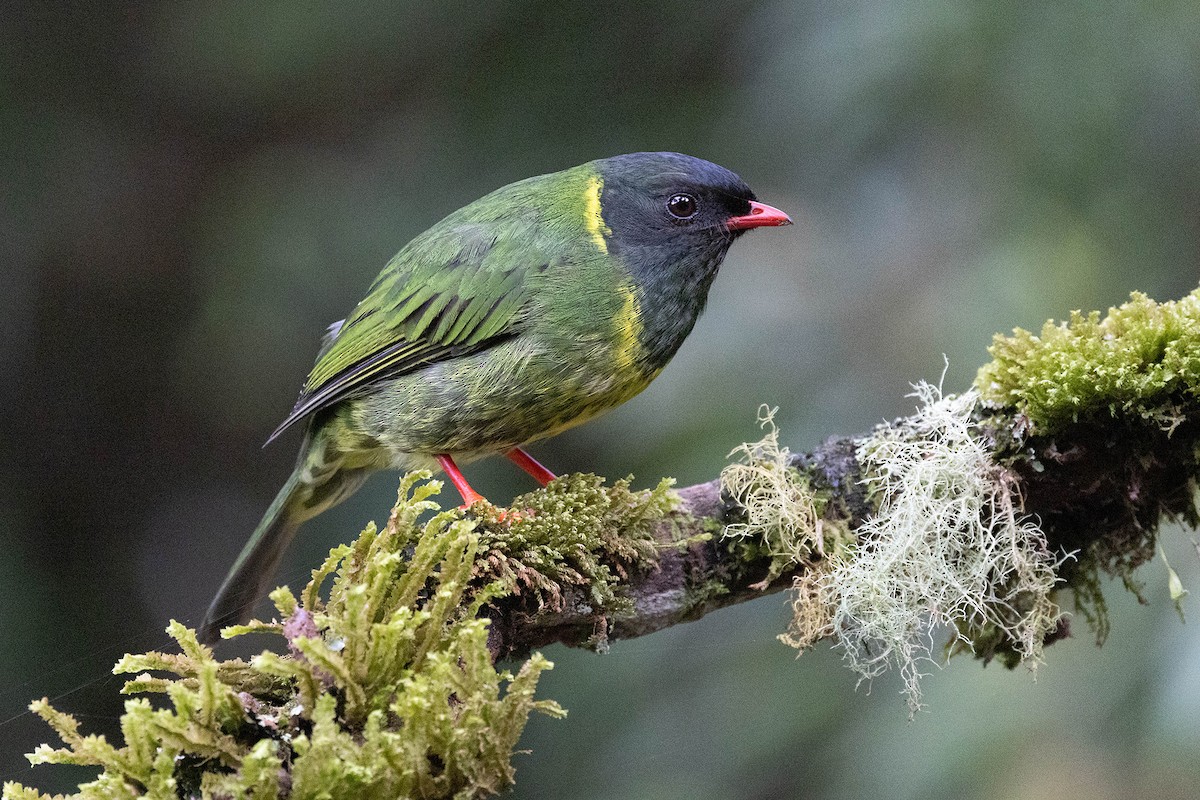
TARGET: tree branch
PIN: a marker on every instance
(689, 580)
(1086, 438)
(1099, 489)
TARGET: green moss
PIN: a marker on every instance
(574, 532)
(389, 689)
(700, 597)
(1142, 359)
(1127, 385)
(1090, 603)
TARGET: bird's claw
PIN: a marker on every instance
(484, 509)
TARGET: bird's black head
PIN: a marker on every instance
(670, 220)
(670, 200)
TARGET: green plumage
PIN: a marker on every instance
(528, 311)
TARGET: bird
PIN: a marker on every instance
(522, 314)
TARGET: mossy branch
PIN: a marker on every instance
(979, 513)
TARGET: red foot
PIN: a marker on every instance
(511, 515)
(470, 496)
(528, 463)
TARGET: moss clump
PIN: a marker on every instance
(1120, 394)
(574, 532)
(389, 689)
(1142, 359)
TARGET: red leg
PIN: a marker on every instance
(528, 463)
(470, 496)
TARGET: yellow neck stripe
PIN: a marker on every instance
(628, 326)
(591, 213)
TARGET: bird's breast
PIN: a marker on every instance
(586, 348)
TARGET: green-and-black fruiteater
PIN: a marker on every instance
(531, 310)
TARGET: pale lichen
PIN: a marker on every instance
(949, 546)
(781, 513)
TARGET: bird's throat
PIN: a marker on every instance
(670, 299)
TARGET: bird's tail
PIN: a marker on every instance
(318, 483)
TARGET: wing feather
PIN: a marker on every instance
(454, 290)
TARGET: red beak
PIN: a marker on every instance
(760, 216)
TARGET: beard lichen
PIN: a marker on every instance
(389, 689)
(1094, 422)
(948, 547)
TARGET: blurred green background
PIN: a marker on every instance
(192, 191)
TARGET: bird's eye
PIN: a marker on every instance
(682, 206)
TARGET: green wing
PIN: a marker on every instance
(456, 289)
